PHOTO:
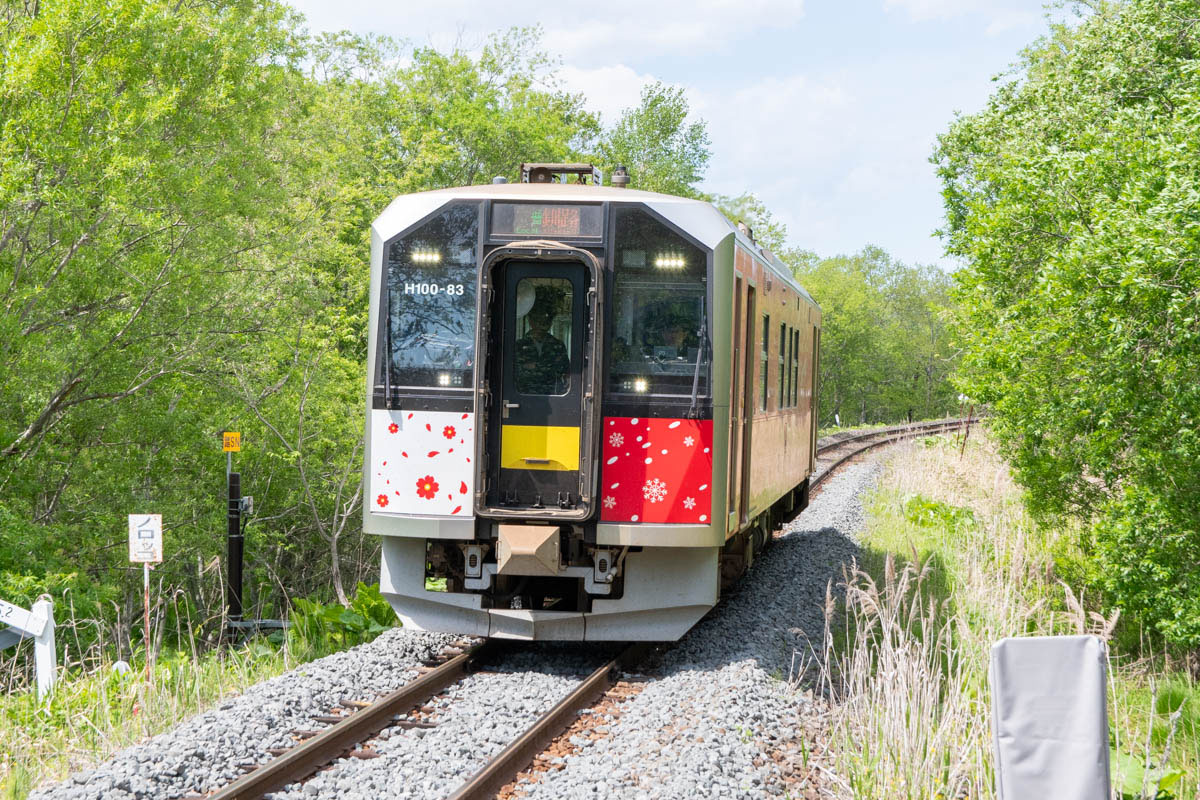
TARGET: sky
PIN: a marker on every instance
(827, 110)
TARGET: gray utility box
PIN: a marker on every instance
(1049, 719)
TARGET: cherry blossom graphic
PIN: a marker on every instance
(616, 440)
(422, 458)
(382, 500)
(688, 441)
(609, 501)
(427, 487)
(654, 490)
(689, 503)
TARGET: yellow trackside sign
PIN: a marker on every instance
(231, 442)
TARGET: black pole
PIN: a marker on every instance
(233, 534)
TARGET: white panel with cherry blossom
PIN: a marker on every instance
(656, 470)
(421, 463)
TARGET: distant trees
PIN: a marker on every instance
(885, 351)
(662, 150)
(1073, 198)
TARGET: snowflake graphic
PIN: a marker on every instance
(689, 503)
(654, 490)
(609, 501)
(688, 441)
(616, 440)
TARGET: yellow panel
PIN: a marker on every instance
(539, 447)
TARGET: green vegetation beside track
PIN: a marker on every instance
(951, 561)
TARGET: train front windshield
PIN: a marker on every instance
(660, 310)
(431, 275)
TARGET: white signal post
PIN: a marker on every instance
(146, 548)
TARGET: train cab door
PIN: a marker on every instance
(539, 370)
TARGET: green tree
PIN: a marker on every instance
(885, 355)
(747, 208)
(1072, 197)
(662, 150)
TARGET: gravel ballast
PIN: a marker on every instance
(203, 753)
(719, 720)
(714, 723)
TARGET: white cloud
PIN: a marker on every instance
(999, 16)
(609, 90)
(587, 34)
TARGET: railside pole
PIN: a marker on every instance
(146, 613)
(233, 534)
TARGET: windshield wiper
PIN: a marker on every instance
(701, 352)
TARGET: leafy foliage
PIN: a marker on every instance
(1072, 197)
(885, 351)
(927, 513)
(662, 150)
(319, 628)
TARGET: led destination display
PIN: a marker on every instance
(545, 219)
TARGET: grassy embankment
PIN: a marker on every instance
(94, 711)
(950, 563)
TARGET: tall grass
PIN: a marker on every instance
(950, 562)
(101, 706)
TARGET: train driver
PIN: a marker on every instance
(541, 359)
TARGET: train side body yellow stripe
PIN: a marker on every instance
(539, 447)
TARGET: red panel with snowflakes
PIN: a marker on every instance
(657, 470)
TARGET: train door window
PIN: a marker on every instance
(660, 342)
(783, 337)
(430, 295)
(543, 330)
(763, 361)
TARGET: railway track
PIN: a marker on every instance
(836, 450)
(348, 734)
(349, 731)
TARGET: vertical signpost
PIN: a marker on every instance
(146, 548)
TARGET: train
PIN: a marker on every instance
(588, 406)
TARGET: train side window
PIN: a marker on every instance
(762, 360)
(430, 275)
(783, 398)
(795, 367)
(660, 310)
(785, 366)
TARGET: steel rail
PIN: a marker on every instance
(504, 766)
(892, 435)
(310, 755)
(915, 427)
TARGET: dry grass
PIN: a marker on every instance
(950, 564)
(98, 710)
